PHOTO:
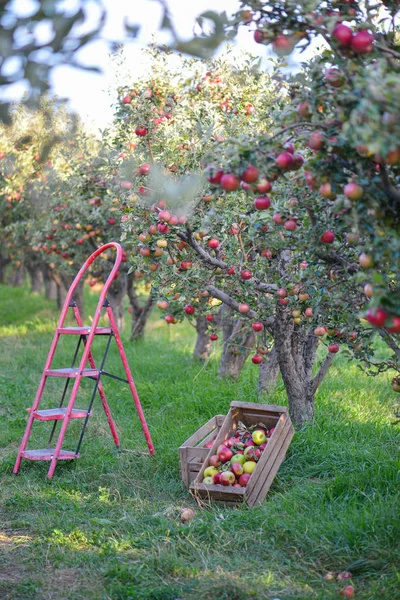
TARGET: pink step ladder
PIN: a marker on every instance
(86, 368)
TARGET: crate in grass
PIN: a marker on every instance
(193, 452)
(254, 493)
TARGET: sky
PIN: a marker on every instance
(88, 93)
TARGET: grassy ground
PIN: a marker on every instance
(107, 526)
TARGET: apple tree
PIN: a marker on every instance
(29, 151)
(79, 214)
(171, 119)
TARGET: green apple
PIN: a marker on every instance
(208, 480)
(249, 466)
(259, 437)
(240, 458)
(210, 472)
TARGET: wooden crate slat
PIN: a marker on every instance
(275, 467)
(264, 462)
(223, 434)
(202, 432)
(183, 465)
(257, 493)
(196, 453)
(191, 453)
(217, 492)
(265, 408)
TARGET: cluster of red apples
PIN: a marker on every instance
(237, 457)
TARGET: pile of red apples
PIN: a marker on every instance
(237, 457)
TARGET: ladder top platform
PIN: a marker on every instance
(71, 372)
(84, 330)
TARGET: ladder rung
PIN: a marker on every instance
(48, 453)
(71, 372)
(84, 330)
(57, 414)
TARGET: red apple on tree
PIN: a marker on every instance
(229, 182)
(257, 359)
(213, 243)
(328, 237)
(246, 274)
(262, 203)
(243, 308)
(250, 174)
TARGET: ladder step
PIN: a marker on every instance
(57, 414)
(71, 372)
(47, 454)
(84, 330)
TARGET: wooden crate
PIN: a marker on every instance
(192, 453)
(267, 467)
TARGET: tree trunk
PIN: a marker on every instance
(116, 295)
(36, 277)
(236, 350)
(268, 376)
(140, 314)
(203, 342)
(17, 276)
(139, 322)
(226, 320)
(4, 262)
(62, 290)
(50, 285)
(295, 349)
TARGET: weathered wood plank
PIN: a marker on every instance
(202, 432)
(265, 408)
(193, 449)
(223, 434)
(264, 461)
(274, 468)
(258, 486)
(217, 492)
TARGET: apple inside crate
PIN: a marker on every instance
(242, 418)
(194, 451)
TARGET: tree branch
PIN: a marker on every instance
(268, 288)
(322, 371)
(204, 255)
(231, 302)
(295, 125)
(387, 50)
(390, 190)
(213, 261)
(335, 259)
(389, 341)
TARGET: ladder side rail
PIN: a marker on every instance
(102, 395)
(89, 342)
(130, 379)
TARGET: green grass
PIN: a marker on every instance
(107, 526)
